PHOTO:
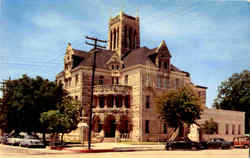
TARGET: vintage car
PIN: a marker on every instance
(31, 141)
(241, 142)
(219, 143)
(183, 144)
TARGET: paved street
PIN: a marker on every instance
(14, 152)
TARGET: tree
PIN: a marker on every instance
(210, 126)
(234, 94)
(25, 99)
(179, 107)
(64, 119)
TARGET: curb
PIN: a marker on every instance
(90, 151)
(105, 150)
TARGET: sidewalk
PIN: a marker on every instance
(111, 147)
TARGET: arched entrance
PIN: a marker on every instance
(109, 126)
(124, 124)
(97, 127)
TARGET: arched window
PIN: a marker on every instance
(111, 39)
(117, 38)
(125, 37)
(114, 38)
(135, 35)
(130, 38)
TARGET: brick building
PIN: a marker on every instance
(126, 80)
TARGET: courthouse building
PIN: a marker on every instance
(127, 79)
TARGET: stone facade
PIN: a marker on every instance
(230, 123)
(127, 79)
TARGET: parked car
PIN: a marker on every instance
(241, 142)
(14, 140)
(183, 144)
(31, 141)
(219, 143)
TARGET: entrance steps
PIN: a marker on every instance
(109, 140)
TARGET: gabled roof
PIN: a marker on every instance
(137, 56)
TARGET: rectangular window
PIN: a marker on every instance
(177, 83)
(158, 81)
(147, 101)
(113, 80)
(77, 80)
(165, 83)
(233, 129)
(101, 82)
(126, 80)
(147, 126)
(165, 128)
(227, 129)
(217, 128)
(239, 129)
(127, 101)
(117, 80)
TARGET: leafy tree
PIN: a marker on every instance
(25, 99)
(210, 126)
(234, 94)
(179, 107)
(64, 119)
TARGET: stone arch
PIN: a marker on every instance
(109, 126)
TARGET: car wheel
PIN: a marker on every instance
(245, 146)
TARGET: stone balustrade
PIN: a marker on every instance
(112, 90)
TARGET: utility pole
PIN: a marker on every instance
(92, 83)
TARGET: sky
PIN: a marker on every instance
(210, 39)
